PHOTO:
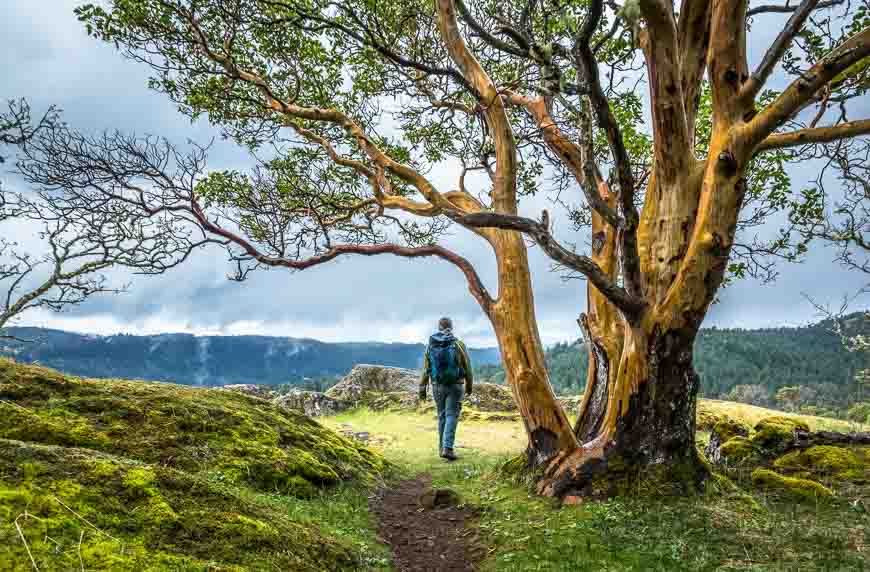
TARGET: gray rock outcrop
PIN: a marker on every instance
(366, 381)
(312, 403)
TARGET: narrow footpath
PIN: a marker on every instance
(426, 529)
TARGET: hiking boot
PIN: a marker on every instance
(449, 455)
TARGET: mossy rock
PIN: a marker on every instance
(82, 509)
(795, 488)
(394, 401)
(243, 439)
(705, 419)
(726, 429)
(739, 451)
(775, 434)
(824, 460)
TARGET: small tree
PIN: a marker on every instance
(521, 97)
(78, 244)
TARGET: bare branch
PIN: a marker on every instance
(796, 95)
(776, 50)
(786, 8)
(629, 305)
(815, 135)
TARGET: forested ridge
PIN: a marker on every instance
(210, 360)
(749, 366)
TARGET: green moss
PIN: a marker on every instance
(740, 451)
(144, 515)
(836, 462)
(705, 419)
(727, 428)
(190, 429)
(798, 489)
(150, 476)
(774, 434)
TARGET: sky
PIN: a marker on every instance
(46, 57)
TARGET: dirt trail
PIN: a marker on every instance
(425, 529)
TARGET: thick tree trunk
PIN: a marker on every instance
(513, 318)
(638, 429)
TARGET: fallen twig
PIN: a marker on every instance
(86, 521)
(24, 540)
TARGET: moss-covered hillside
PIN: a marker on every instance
(116, 475)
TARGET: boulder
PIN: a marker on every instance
(797, 489)
(250, 389)
(776, 434)
(491, 397)
(312, 403)
(394, 401)
(723, 432)
(366, 381)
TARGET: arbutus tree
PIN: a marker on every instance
(75, 247)
(521, 96)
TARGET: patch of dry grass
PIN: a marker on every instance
(752, 414)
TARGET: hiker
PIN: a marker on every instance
(447, 365)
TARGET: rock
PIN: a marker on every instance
(312, 403)
(828, 461)
(570, 403)
(361, 436)
(250, 389)
(395, 400)
(776, 434)
(724, 431)
(737, 451)
(365, 381)
(439, 498)
(798, 489)
(491, 397)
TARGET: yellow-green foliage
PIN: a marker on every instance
(836, 462)
(799, 489)
(120, 475)
(191, 429)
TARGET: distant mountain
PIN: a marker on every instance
(209, 360)
(766, 359)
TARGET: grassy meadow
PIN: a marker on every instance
(142, 476)
(730, 527)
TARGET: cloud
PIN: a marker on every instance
(46, 56)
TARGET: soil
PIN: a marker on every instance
(427, 529)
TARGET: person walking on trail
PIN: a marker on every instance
(447, 366)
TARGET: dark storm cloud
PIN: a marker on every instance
(46, 57)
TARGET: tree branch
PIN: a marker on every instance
(815, 135)
(785, 9)
(796, 95)
(485, 35)
(504, 184)
(693, 39)
(475, 285)
(776, 50)
(588, 67)
(582, 165)
(629, 305)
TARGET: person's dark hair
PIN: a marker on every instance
(445, 324)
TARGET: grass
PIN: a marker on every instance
(727, 528)
(118, 475)
(752, 414)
